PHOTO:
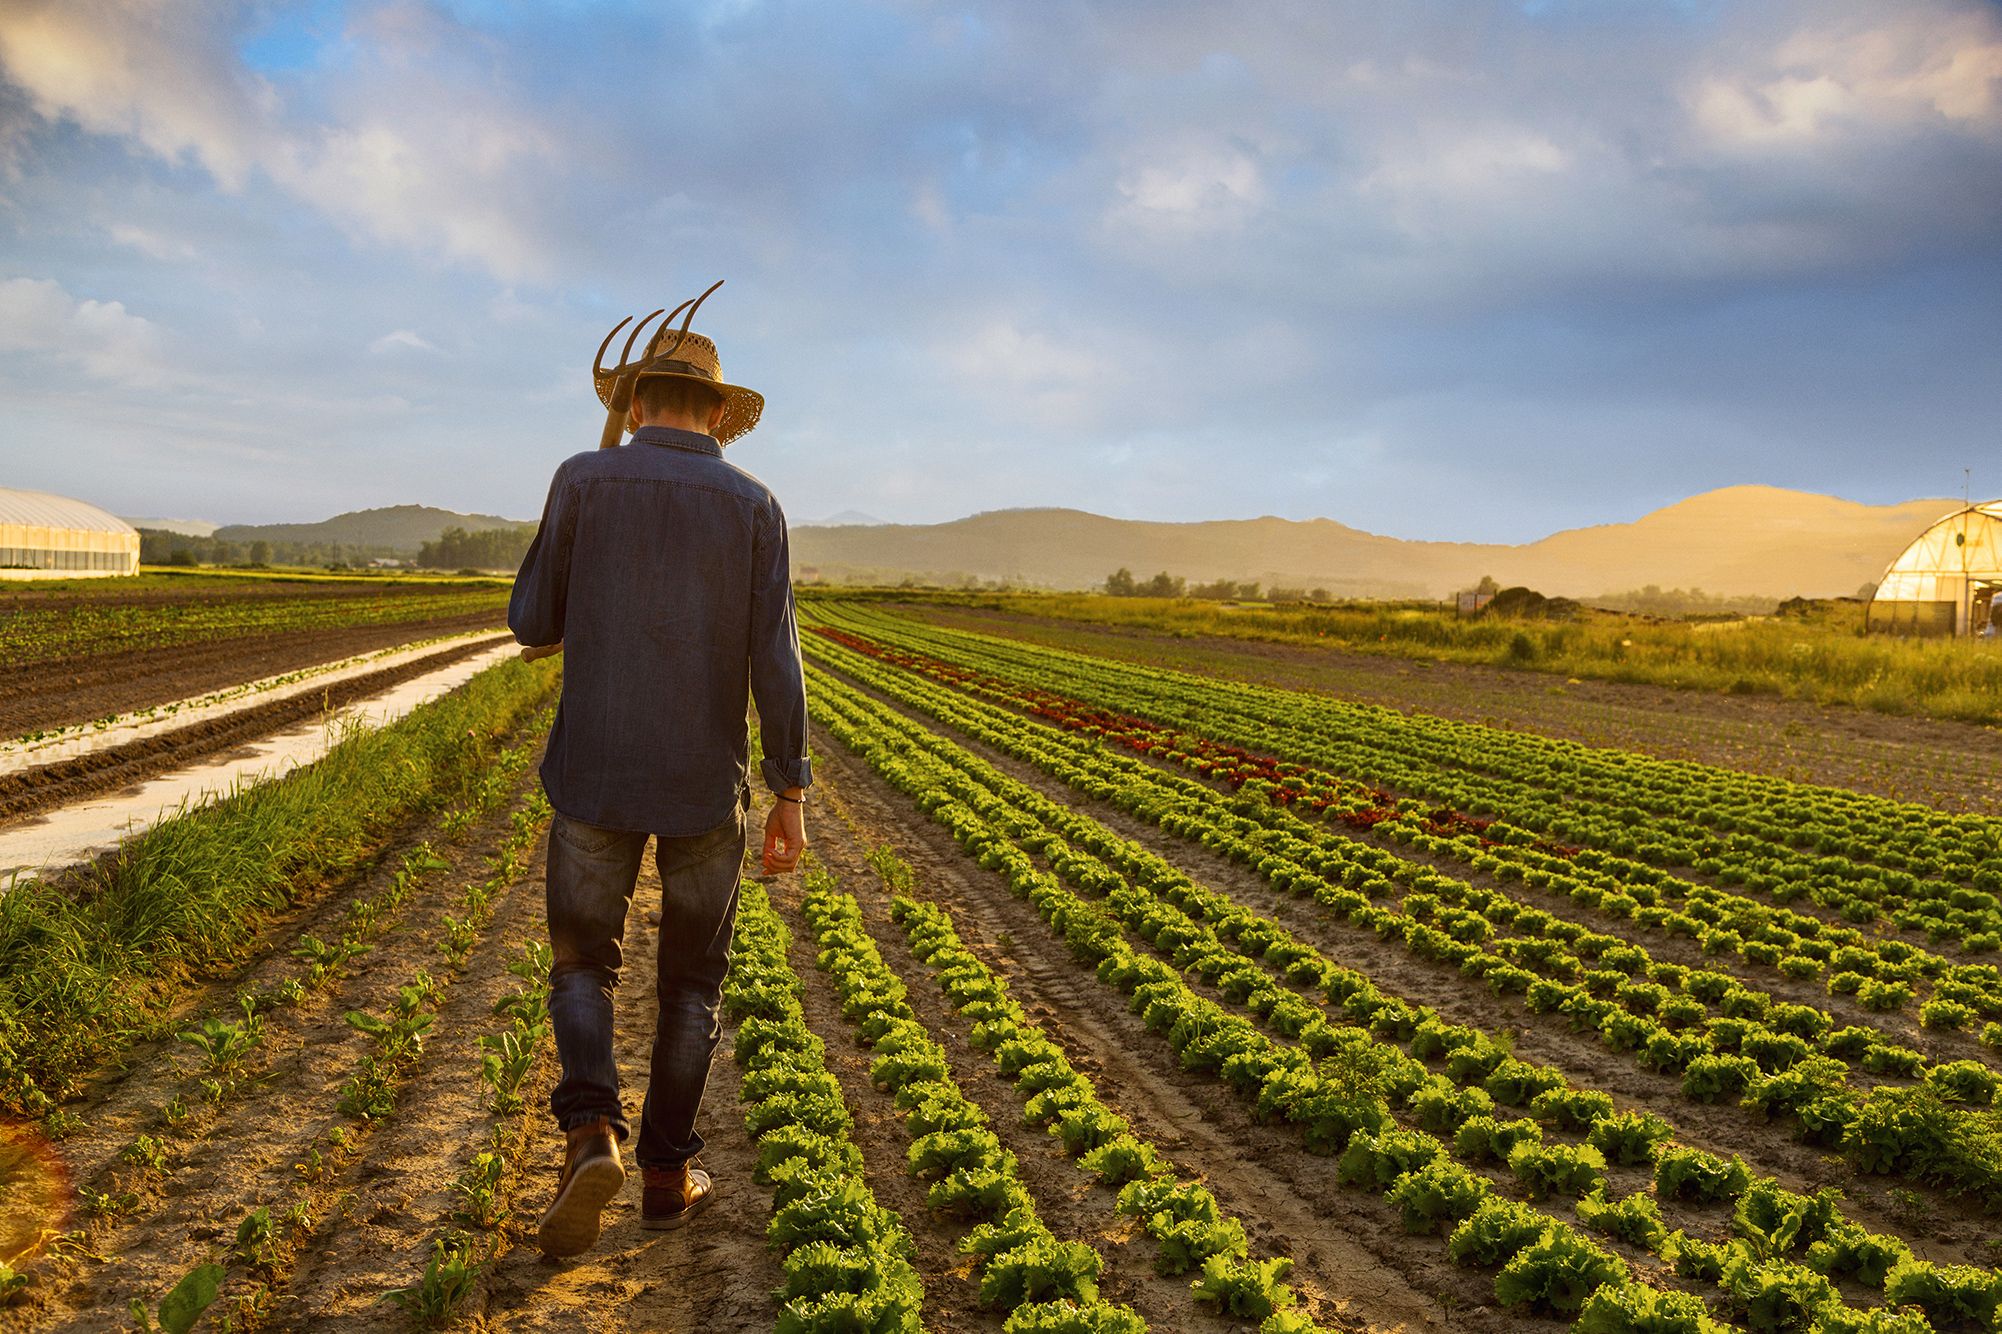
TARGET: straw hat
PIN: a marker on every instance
(696, 360)
(670, 354)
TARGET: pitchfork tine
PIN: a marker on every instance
(598, 362)
(653, 343)
(686, 320)
(627, 350)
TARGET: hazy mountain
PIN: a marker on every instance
(185, 527)
(1741, 540)
(838, 520)
(399, 528)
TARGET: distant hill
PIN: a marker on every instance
(838, 520)
(185, 527)
(400, 529)
(1754, 541)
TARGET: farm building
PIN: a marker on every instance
(1947, 580)
(44, 536)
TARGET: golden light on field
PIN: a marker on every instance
(35, 1192)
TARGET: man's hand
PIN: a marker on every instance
(530, 652)
(785, 833)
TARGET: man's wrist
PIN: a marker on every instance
(797, 795)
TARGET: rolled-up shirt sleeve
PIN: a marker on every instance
(535, 608)
(778, 683)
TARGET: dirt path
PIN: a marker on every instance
(717, 1273)
(1945, 764)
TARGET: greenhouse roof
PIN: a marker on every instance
(43, 509)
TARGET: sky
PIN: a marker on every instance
(1437, 269)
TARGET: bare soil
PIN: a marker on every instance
(38, 696)
(49, 786)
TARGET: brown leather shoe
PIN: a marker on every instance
(673, 1195)
(591, 1175)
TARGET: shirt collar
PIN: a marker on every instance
(677, 438)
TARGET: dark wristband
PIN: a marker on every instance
(797, 801)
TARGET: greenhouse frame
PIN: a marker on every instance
(45, 536)
(1948, 580)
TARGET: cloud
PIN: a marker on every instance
(1185, 260)
(402, 339)
(150, 244)
(446, 165)
(101, 338)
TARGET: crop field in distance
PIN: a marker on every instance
(1133, 980)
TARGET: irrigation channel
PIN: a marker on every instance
(75, 794)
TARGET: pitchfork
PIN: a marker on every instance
(619, 401)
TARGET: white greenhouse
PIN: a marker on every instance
(44, 536)
(1946, 581)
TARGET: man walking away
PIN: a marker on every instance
(661, 572)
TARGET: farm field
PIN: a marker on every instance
(73, 651)
(1117, 992)
(1942, 763)
(1819, 655)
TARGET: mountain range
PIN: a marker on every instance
(1741, 541)
(399, 528)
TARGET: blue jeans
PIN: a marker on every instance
(592, 872)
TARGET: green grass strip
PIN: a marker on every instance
(90, 965)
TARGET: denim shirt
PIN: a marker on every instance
(665, 572)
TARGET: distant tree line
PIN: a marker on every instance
(1121, 584)
(486, 549)
(157, 546)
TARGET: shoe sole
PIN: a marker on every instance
(571, 1225)
(673, 1221)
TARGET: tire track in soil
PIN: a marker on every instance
(1350, 1253)
(1958, 1233)
(716, 1273)
(243, 1155)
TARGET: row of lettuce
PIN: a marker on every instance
(1884, 974)
(1433, 1140)
(1871, 858)
(1783, 1059)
